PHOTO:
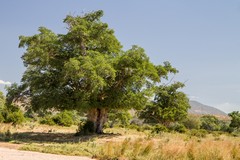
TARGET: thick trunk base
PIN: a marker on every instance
(96, 118)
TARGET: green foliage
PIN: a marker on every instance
(2, 100)
(178, 127)
(224, 125)
(85, 68)
(235, 119)
(170, 105)
(47, 120)
(12, 114)
(2, 119)
(192, 122)
(210, 123)
(9, 112)
(119, 117)
(158, 128)
(64, 118)
(200, 133)
(2, 106)
(15, 118)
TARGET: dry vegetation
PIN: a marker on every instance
(122, 144)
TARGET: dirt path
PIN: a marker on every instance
(10, 152)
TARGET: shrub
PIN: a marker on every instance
(200, 133)
(210, 123)
(178, 128)
(2, 119)
(47, 120)
(192, 122)
(224, 126)
(64, 118)
(147, 127)
(235, 119)
(15, 117)
(158, 128)
(134, 126)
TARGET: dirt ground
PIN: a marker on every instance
(9, 151)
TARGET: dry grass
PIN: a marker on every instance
(124, 144)
(176, 148)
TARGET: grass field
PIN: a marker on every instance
(122, 144)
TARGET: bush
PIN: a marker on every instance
(210, 123)
(47, 120)
(64, 118)
(2, 119)
(224, 126)
(134, 126)
(159, 128)
(200, 133)
(178, 128)
(15, 118)
(192, 122)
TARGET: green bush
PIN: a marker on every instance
(64, 118)
(158, 128)
(134, 126)
(147, 127)
(15, 118)
(200, 133)
(47, 120)
(178, 128)
(192, 122)
(210, 123)
(2, 119)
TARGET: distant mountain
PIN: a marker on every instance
(198, 108)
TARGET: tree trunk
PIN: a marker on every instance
(97, 117)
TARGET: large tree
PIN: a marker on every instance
(85, 69)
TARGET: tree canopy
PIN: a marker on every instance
(85, 69)
(235, 119)
(169, 105)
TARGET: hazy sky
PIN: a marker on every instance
(200, 38)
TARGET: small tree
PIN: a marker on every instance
(192, 122)
(210, 122)
(235, 119)
(169, 105)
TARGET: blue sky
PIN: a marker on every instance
(200, 38)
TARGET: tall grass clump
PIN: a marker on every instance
(127, 149)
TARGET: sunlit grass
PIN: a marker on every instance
(126, 144)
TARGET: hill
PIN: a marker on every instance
(201, 109)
